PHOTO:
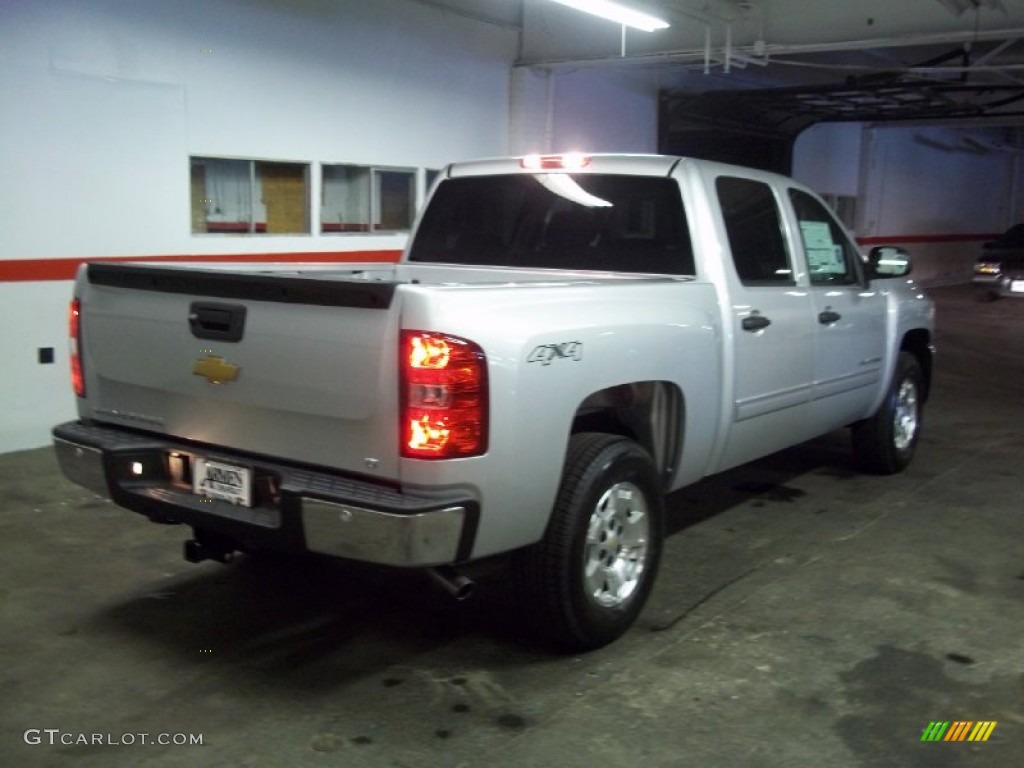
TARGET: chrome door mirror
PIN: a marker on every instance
(888, 261)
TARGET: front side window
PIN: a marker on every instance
(831, 258)
(558, 220)
(754, 229)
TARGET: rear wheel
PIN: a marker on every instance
(588, 579)
(885, 443)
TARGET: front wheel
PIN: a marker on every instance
(588, 579)
(885, 443)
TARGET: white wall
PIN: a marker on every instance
(588, 110)
(601, 110)
(105, 101)
(35, 397)
(933, 190)
(929, 183)
(827, 157)
(928, 180)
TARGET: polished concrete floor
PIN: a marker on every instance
(805, 615)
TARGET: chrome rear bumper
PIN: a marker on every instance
(298, 508)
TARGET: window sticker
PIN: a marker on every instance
(824, 256)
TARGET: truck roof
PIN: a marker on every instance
(607, 163)
(570, 162)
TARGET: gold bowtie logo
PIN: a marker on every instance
(215, 370)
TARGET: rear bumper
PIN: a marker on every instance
(294, 508)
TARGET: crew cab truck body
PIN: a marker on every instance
(565, 340)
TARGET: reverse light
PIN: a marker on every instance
(75, 347)
(570, 161)
(444, 397)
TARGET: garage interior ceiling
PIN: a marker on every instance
(783, 65)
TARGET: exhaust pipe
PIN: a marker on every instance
(451, 581)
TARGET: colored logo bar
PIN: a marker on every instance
(958, 730)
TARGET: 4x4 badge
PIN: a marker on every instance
(546, 353)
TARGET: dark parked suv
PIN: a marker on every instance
(999, 271)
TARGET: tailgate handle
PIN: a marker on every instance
(217, 322)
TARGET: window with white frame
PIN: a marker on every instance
(367, 199)
(345, 198)
(231, 196)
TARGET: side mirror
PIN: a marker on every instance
(888, 261)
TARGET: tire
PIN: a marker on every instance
(985, 295)
(586, 582)
(885, 443)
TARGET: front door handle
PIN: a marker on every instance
(828, 317)
(755, 322)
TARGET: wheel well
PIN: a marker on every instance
(652, 413)
(919, 343)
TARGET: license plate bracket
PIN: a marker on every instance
(222, 481)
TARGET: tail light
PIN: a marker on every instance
(444, 396)
(75, 347)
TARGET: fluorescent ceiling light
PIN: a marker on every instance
(615, 12)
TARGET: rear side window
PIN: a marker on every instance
(557, 220)
(754, 229)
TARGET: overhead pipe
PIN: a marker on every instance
(769, 50)
(707, 49)
(728, 48)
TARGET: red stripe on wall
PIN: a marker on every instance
(22, 270)
(25, 270)
(906, 239)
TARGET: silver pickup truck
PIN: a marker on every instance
(566, 339)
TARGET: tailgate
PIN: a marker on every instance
(298, 366)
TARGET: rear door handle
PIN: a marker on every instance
(755, 322)
(828, 317)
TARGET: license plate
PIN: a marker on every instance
(227, 482)
(1017, 286)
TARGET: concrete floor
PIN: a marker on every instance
(805, 615)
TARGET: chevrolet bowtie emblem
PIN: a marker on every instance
(215, 370)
